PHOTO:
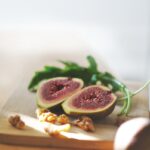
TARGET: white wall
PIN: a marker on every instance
(116, 29)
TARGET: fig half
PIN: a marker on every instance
(95, 100)
(54, 91)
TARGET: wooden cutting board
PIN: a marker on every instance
(101, 139)
(23, 102)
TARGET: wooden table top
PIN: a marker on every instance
(16, 147)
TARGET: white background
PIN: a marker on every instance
(117, 30)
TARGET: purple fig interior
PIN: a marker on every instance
(55, 89)
(92, 98)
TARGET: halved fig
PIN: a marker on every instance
(54, 91)
(95, 100)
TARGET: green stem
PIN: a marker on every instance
(136, 92)
(140, 89)
(126, 103)
(123, 108)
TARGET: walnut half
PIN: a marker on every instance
(84, 123)
(46, 116)
(16, 122)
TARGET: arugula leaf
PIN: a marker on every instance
(92, 64)
(51, 68)
(109, 75)
(69, 64)
(42, 75)
(94, 79)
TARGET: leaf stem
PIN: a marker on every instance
(136, 92)
(126, 102)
